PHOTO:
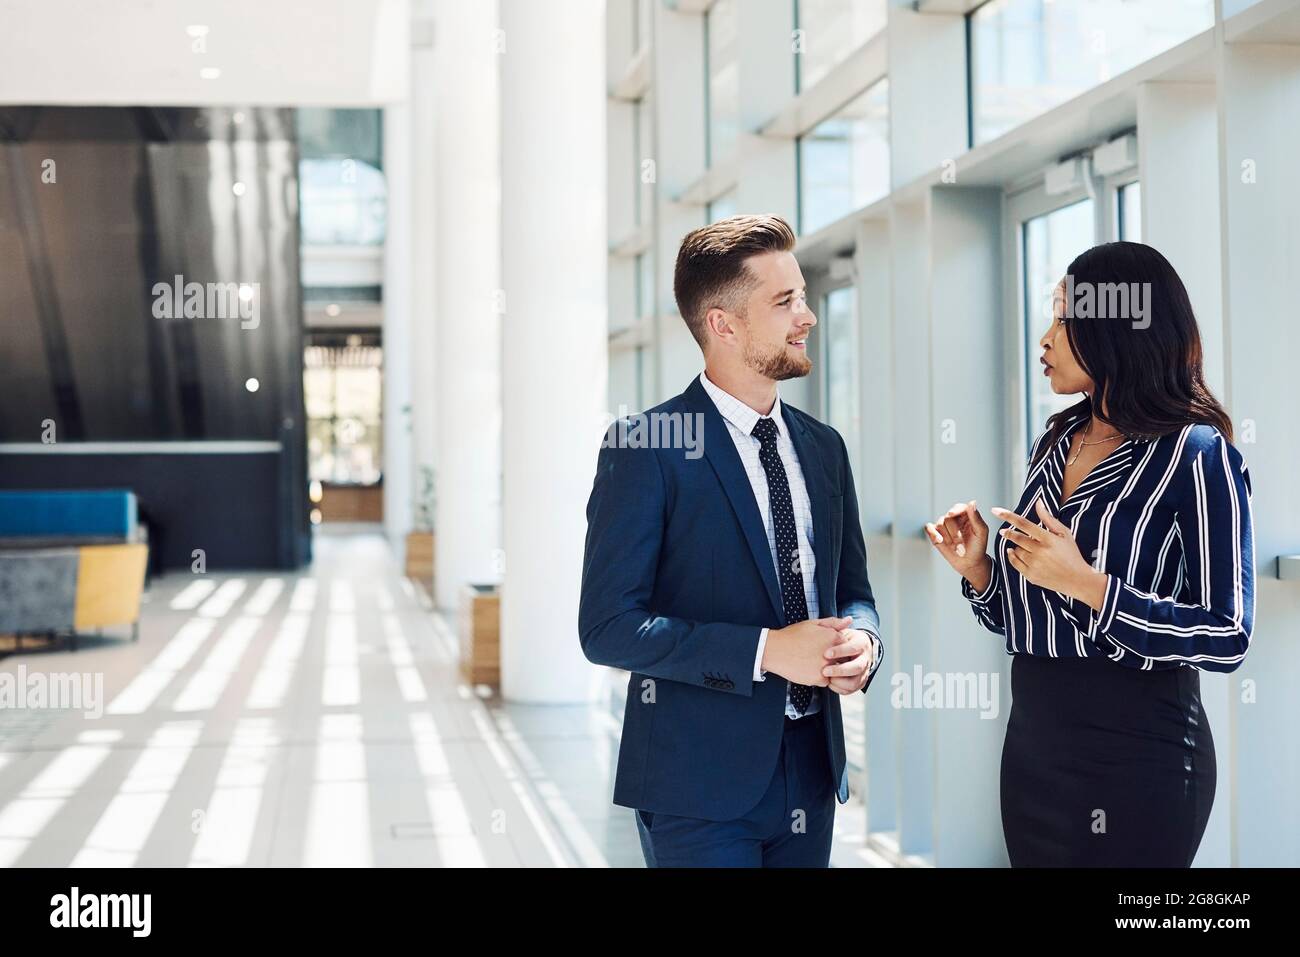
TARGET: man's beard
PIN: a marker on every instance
(777, 365)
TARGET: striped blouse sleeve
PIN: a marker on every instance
(1214, 525)
(987, 604)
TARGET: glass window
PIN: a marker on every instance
(343, 193)
(724, 207)
(1050, 244)
(1128, 212)
(844, 160)
(839, 323)
(640, 144)
(344, 202)
(829, 30)
(1027, 56)
(328, 133)
(343, 393)
(723, 80)
(639, 399)
(645, 285)
(624, 394)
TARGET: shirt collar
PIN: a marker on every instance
(736, 412)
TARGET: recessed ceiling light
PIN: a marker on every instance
(252, 385)
(239, 189)
(332, 310)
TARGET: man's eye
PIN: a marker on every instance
(785, 302)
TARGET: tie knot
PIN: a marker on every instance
(765, 431)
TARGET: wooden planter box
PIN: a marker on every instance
(480, 635)
(419, 558)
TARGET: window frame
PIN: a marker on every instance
(1115, 187)
(1020, 206)
(711, 157)
(820, 288)
(801, 229)
(1019, 209)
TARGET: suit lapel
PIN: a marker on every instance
(818, 485)
(721, 452)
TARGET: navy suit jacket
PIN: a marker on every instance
(677, 584)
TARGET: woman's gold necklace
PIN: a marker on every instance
(1083, 442)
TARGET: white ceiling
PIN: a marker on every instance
(143, 52)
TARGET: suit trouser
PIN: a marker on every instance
(790, 826)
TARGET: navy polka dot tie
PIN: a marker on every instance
(793, 600)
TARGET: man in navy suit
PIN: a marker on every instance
(725, 569)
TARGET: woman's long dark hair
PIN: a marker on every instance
(1147, 370)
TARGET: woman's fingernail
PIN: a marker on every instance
(961, 551)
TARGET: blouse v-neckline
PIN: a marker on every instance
(1103, 473)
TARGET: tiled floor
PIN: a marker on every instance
(304, 719)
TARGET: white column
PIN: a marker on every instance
(927, 91)
(1259, 86)
(680, 118)
(555, 355)
(967, 428)
(468, 327)
(397, 329)
(409, 372)
(423, 358)
(1178, 158)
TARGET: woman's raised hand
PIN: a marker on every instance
(962, 538)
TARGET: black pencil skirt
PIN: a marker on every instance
(1105, 766)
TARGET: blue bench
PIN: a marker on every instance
(94, 514)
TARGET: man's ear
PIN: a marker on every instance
(721, 324)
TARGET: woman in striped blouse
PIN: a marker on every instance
(1126, 568)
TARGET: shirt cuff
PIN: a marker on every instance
(1104, 618)
(759, 673)
(878, 649)
(984, 597)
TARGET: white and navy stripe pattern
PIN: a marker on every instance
(741, 420)
(1169, 521)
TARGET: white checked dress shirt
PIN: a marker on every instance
(741, 420)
